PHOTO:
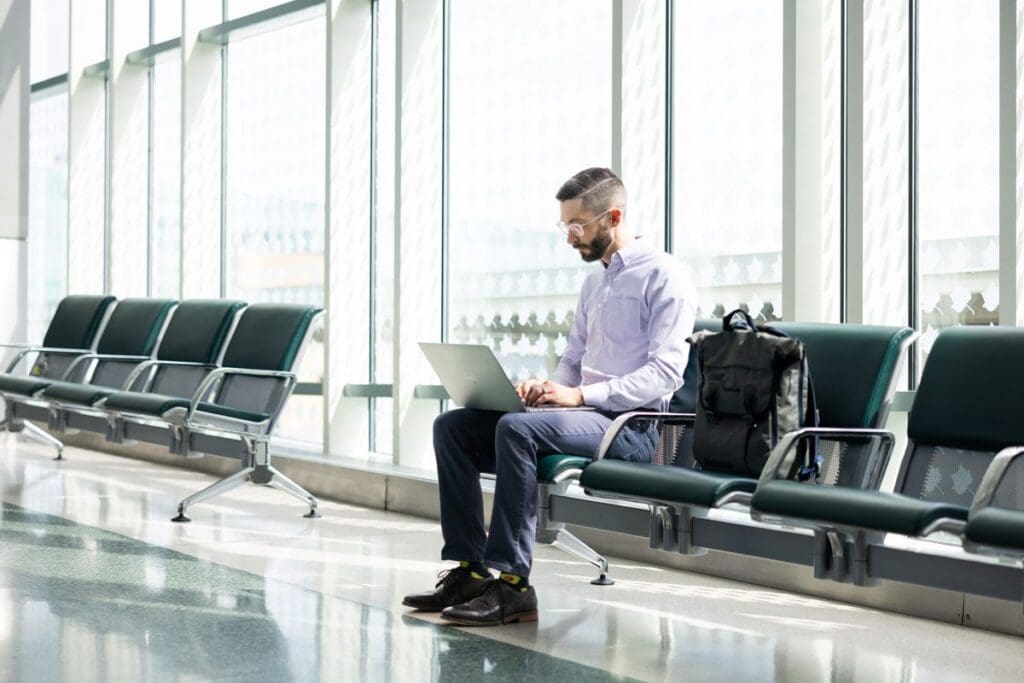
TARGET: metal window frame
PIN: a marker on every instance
(669, 127)
(220, 34)
(371, 404)
(844, 296)
(223, 42)
(147, 55)
(47, 83)
(913, 274)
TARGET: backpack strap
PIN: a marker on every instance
(727, 325)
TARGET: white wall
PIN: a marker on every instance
(14, 100)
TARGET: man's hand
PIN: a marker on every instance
(543, 392)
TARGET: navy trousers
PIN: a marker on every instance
(468, 442)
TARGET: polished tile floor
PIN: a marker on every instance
(97, 585)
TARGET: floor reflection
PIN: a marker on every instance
(80, 603)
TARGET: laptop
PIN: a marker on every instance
(473, 377)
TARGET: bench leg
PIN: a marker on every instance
(43, 436)
(214, 489)
(282, 483)
(571, 544)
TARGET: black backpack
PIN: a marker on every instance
(755, 386)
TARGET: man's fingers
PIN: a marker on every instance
(535, 394)
(523, 388)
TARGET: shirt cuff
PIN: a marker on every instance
(595, 395)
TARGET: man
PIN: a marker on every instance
(627, 351)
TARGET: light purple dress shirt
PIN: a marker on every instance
(628, 349)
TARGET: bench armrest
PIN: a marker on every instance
(220, 373)
(780, 460)
(622, 420)
(149, 363)
(27, 350)
(993, 477)
(99, 356)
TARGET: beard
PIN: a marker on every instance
(596, 248)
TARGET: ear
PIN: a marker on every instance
(616, 216)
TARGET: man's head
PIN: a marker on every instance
(593, 207)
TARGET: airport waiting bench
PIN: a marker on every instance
(198, 377)
(958, 470)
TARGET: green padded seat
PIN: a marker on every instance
(134, 327)
(197, 330)
(236, 413)
(550, 466)
(268, 336)
(146, 404)
(21, 385)
(861, 508)
(997, 527)
(82, 394)
(852, 367)
(76, 321)
(649, 481)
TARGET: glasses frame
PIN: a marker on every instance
(576, 229)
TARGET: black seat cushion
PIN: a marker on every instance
(867, 509)
(82, 394)
(134, 327)
(21, 385)
(236, 413)
(197, 330)
(647, 481)
(76, 321)
(146, 404)
(268, 336)
(997, 527)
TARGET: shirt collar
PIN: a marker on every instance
(628, 254)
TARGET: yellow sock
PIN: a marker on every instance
(474, 573)
(517, 581)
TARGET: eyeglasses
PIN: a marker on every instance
(576, 229)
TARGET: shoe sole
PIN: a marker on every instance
(421, 608)
(512, 619)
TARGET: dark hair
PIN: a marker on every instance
(600, 189)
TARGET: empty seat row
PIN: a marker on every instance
(197, 376)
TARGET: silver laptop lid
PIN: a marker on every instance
(473, 376)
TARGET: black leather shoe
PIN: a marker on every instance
(499, 603)
(456, 586)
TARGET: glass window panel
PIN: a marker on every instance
(384, 248)
(47, 206)
(275, 185)
(958, 164)
(166, 20)
(727, 168)
(520, 126)
(165, 198)
(50, 25)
